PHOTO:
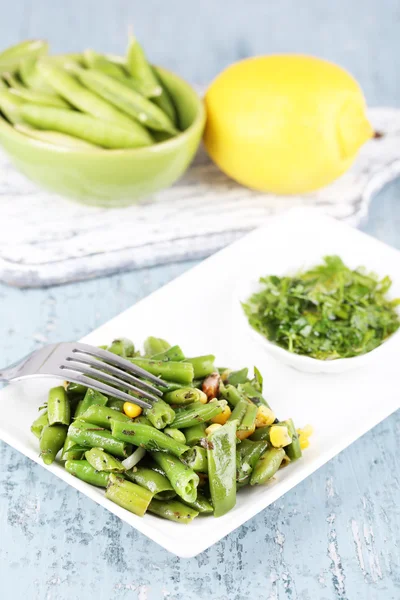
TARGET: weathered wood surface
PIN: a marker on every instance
(334, 537)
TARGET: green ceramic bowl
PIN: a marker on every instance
(112, 178)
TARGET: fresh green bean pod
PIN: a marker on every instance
(197, 413)
(102, 415)
(195, 434)
(11, 57)
(93, 436)
(122, 347)
(174, 353)
(293, 450)
(221, 454)
(236, 377)
(101, 461)
(39, 423)
(94, 60)
(202, 365)
(12, 81)
(196, 459)
(153, 481)
(90, 398)
(267, 465)
(164, 100)
(11, 106)
(146, 437)
(247, 456)
(2, 84)
(185, 395)
(51, 441)
(83, 470)
(98, 131)
(31, 77)
(173, 510)
(140, 69)
(176, 434)
(116, 404)
(58, 408)
(40, 98)
(62, 140)
(133, 497)
(201, 504)
(160, 414)
(183, 479)
(127, 100)
(153, 345)
(180, 372)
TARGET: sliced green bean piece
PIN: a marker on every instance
(180, 372)
(116, 404)
(11, 106)
(221, 454)
(249, 418)
(102, 415)
(75, 390)
(247, 455)
(93, 436)
(96, 131)
(195, 434)
(196, 459)
(91, 397)
(153, 481)
(51, 441)
(176, 434)
(173, 510)
(252, 393)
(11, 57)
(197, 413)
(128, 101)
(101, 461)
(267, 465)
(39, 423)
(122, 347)
(83, 470)
(174, 353)
(146, 437)
(58, 408)
(239, 411)
(185, 395)
(140, 69)
(293, 450)
(232, 394)
(143, 420)
(261, 433)
(72, 451)
(129, 495)
(236, 377)
(201, 504)
(202, 365)
(153, 345)
(183, 479)
(160, 414)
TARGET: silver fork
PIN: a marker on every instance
(91, 367)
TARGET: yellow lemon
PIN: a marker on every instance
(286, 124)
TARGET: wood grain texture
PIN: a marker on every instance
(334, 537)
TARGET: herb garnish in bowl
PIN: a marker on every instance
(327, 312)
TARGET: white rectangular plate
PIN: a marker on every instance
(197, 311)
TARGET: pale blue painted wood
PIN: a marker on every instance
(334, 537)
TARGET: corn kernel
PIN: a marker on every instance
(304, 435)
(265, 416)
(132, 410)
(279, 436)
(202, 397)
(245, 433)
(304, 443)
(222, 417)
(212, 428)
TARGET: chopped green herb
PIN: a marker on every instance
(327, 312)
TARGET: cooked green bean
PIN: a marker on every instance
(267, 465)
(185, 395)
(252, 394)
(196, 459)
(101, 461)
(180, 372)
(174, 353)
(195, 434)
(93, 436)
(239, 411)
(261, 433)
(72, 451)
(83, 470)
(147, 437)
(153, 345)
(232, 394)
(160, 414)
(201, 504)
(176, 434)
(75, 390)
(39, 423)
(153, 481)
(202, 365)
(11, 57)
(90, 398)
(197, 413)
(140, 69)
(123, 347)
(116, 404)
(143, 420)
(183, 479)
(249, 419)
(173, 510)
(128, 495)
(55, 138)
(100, 132)
(102, 415)
(236, 377)
(58, 408)
(247, 455)
(221, 454)
(51, 441)
(11, 106)
(127, 100)
(293, 450)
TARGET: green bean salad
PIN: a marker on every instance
(86, 101)
(210, 434)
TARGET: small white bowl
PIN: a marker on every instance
(247, 287)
